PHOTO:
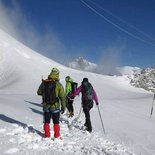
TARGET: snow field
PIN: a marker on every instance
(75, 141)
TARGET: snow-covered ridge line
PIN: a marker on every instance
(141, 78)
(17, 60)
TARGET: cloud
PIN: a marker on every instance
(111, 58)
(48, 42)
(14, 22)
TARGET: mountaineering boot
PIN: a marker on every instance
(89, 128)
(56, 128)
(47, 130)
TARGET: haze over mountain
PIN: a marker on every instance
(84, 65)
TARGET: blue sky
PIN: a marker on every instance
(66, 29)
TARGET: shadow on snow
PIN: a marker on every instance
(13, 121)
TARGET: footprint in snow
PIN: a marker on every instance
(12, 150)
(2, 130)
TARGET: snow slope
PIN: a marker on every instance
(125, 110)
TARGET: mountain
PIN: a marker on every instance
(124, 110)
(20, 66)
(84, 65)
(128, 70)
(144, 79)
(141, 78)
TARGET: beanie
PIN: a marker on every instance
(85, 80)
(54, 74)
(67, 78)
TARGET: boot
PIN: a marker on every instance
(56, 128)
(89, 128)
(47, 130)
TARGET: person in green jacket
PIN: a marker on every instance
(54, 103)
(69, 100)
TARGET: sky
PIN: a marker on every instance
(120, 32)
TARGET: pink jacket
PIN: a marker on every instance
(79, 89)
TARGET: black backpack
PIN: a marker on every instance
(87, 91)
(74, 86)
(49, 91)
(87, 94)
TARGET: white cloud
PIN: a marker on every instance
(14, 22)
(112, 58)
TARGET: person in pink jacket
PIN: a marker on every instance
(88, 95)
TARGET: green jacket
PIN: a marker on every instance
(68, 87)
(59, 93)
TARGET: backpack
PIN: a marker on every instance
(87, 91)
(74, 86)
(87, 94)
(49, 92)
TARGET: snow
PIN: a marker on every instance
(84, 65)
(125, 110)
(128, 70)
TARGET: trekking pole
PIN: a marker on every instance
(79, 112)
(101, 119)
(152, 105)
(43, 97)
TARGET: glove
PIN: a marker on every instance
(97, 103)
(62, 111)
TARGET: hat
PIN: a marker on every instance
(85, 80)
(54, 74)
(67, 78)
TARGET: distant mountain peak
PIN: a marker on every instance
(82, 64)
(145, 79)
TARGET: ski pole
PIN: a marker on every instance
(101, 119)
(43, 96)
(79, 112)
(152, 106)
(76, 119)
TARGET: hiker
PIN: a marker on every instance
(52, 92)
(70, 88)
(88, 95)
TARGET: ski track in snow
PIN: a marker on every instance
(75, 140)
